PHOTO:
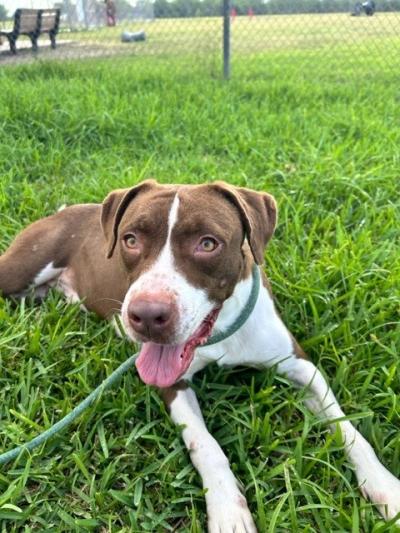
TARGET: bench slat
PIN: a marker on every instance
(28, 23)
(48, 21)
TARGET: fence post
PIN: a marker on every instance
(226, 38)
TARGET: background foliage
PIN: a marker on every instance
(213, 8)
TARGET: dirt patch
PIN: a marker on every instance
(66, 49)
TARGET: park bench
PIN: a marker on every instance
(33, 22)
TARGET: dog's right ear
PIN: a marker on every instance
(114, 207)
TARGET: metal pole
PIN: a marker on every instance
(226, 39)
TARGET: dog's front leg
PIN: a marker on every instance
(375, 482)
(226, 507)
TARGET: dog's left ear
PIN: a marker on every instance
(258, 211)
(114, 207)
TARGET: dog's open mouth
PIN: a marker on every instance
(163, 365)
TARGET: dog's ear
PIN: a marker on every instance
(258, 212)
(114, 207)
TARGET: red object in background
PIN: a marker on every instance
(110, 12)
(250, 12)
(233, 13)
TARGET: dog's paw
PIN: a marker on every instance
(230, 516)
(382, 489)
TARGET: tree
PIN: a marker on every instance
(213, 8)
(3, 13)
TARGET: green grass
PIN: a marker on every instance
(329, 152)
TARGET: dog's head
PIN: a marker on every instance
(184, 248)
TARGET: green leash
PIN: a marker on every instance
(108, 382)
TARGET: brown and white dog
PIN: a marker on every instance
(179, 258)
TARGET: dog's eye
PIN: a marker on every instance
(130, 240)
(207, 244)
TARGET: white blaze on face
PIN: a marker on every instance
(193, 303)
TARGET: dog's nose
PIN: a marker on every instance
(151, 319)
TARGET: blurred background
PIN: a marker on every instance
(321, 35)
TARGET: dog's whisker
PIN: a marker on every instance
(111, 300)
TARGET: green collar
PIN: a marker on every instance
(244, 315)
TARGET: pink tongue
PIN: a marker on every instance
(160, 365)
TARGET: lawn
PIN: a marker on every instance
(329, 152)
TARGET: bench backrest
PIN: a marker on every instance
(36, 20)
(50, 19)
(26, 20)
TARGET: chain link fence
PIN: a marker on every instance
(320, 36)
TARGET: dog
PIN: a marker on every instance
(181, 260)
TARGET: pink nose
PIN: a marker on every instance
(152, 319)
